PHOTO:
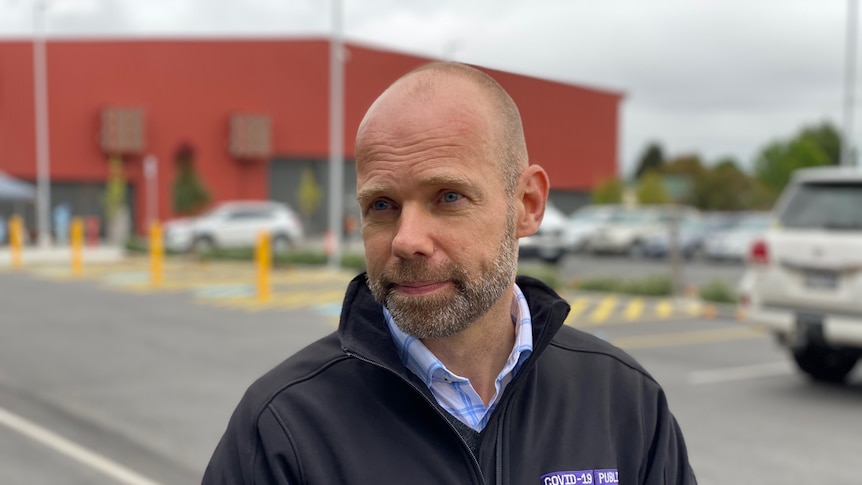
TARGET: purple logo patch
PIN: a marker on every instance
(582, 477)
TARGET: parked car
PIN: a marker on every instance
(804, 276)
(235, 224)
(692, 236)
(628, 231)
(581, 223)
(733, 243)
(547, 243)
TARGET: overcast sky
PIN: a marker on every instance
(713, 77)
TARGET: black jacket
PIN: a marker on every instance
(344, 410)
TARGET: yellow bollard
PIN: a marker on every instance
(77, 241)
(263, 257)
(157, 255)
(16, 239)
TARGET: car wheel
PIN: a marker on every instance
(203, 245)
(637, 250)
(698, 253)
(826, 365)
(281, 244)
(553, 258)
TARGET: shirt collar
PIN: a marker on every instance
(416, 357)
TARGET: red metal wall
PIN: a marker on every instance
(188, 88)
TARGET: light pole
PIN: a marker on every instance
(336, 134)
(849, 82)
(43, 156)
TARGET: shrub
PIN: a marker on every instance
(718, 291)
(546, 273)
(648, 286)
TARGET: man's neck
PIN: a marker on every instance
(480, 352)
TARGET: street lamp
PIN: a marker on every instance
(336, 134)
(849, 82)
(40, 97)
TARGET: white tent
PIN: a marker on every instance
(14, 189)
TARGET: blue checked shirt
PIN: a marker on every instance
(453, 392)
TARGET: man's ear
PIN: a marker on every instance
(531, 197)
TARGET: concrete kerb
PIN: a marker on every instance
(32, 255)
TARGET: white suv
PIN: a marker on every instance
(235, 224)
(804, 277)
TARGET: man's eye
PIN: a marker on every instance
(380, 205)
(451, 197)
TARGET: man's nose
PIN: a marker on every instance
(414, 235)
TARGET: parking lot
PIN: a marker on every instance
(105, 380)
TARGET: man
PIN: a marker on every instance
(445, 369)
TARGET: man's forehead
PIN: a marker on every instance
(426, 93)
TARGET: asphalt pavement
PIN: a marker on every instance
(103, 383)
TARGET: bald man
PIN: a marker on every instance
(446, 368)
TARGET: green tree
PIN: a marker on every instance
(651, 189)
(189, 193)
(726, 187)
(776, 163)
(608, 192)
(651, 159)
(827, 137)
(689, 165)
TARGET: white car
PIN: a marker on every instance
(804, 277)
(628, 231)
(547, 243)
(733, 243)
(581, 224)
(235, 224)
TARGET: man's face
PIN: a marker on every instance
(437, 223)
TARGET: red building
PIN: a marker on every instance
(188, 91)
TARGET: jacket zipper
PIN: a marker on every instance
(436, 409)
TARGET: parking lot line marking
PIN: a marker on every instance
(577, 307)
(740, 373)
(603, 311)
(664, 309)
(694, 308)
(695, 337)
(634, 309)
(72, 450)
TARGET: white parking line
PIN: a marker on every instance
(76, 452)
(740, 373)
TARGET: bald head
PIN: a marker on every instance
(479, 94)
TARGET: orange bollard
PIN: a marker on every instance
(77, 242)
(157, 255)
(263, 257)
(16, 239)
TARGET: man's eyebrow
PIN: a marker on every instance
(371, 191)
(445, 180)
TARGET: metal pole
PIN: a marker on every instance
(675, 254)
(43, 158)
(849, 82)
(151, 176)
(336, 133)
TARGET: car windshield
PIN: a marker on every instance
(824, 206)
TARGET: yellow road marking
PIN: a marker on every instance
(664, 309)
(576, 309)
(634, 309)
(694, 308)
(603, 311)
(677, 339)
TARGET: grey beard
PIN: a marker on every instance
(440, 316)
